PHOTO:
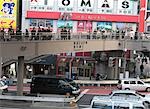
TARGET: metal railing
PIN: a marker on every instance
(70, 36)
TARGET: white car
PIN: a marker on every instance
(133, 84)
(126, 95)
(3, 86)
(97, 103)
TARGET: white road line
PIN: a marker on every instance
(82, 93)
(85, 106)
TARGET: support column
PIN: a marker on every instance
(20, 75)
(0, 61)
(0, 66)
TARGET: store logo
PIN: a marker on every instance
(8, 8)
(66, 2)
(86, 3)
(125, 4)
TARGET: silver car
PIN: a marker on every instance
(133, 84)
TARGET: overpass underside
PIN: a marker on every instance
(29, 49)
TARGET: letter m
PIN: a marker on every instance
(86, 3)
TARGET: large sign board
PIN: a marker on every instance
(84, 6)
(8, 13)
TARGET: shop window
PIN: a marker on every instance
(41, 23)
(33, 22)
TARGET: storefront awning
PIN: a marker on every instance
(51, 59)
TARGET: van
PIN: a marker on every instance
(133, 84)
(53, 85)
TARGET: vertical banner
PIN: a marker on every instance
(8, 13)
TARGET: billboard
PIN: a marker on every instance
(8, 13)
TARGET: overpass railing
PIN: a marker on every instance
(70, 36)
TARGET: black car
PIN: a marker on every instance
(53, 85)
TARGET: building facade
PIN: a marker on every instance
(83, 15)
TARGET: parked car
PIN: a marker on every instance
(126, 95)
(53, 85)
(133, 84)
(3, 87)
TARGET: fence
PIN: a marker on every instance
(69, 36)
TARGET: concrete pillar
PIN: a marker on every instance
(0, 61)
(0, 66)
(20, 75)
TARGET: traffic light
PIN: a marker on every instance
(112, 62)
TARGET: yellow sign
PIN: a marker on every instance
(8, 13)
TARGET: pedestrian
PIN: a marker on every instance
(26, 34)
(141, 68)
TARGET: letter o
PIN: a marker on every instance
(66, 2)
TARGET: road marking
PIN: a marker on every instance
(82, 93)
(85, 106)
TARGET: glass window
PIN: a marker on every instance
(33, 22)
(126, 82)
(139, 82)
(100, 105)
(132, 82)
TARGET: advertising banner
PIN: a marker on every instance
(84, 26)
(104, 25)
(41, 23)
(67, 24)
(8, 13)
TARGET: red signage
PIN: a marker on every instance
(81, 16)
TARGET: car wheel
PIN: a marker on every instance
(127, 88)
(148, 89)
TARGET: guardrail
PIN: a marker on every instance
(39, 99)
(69, 36)
(90, 82)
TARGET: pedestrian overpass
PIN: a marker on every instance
(13, 49)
